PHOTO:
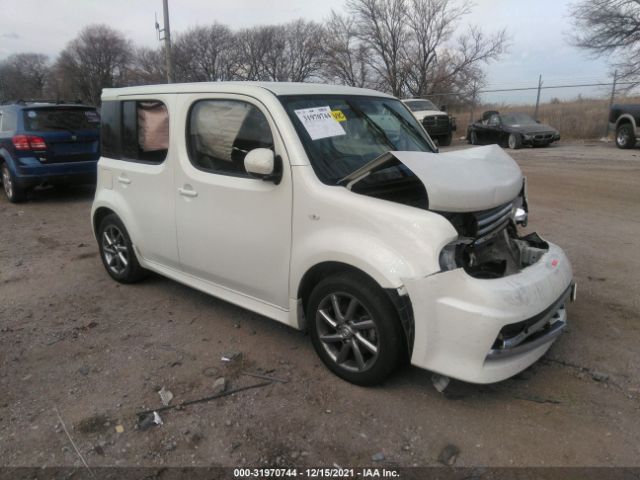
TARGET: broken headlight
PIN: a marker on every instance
(448, 257)
(520, 210)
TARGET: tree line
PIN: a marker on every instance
(409, 48)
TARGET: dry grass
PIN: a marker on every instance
(584, 118)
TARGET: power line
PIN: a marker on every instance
(609, 84)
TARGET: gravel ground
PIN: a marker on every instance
(74, 343)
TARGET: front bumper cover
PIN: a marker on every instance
(458, 318)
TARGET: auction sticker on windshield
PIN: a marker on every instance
(320, 123)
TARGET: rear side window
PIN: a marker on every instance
(7, 121)
(60, 118)
(110, 130)
(135, 130)
(221, 133)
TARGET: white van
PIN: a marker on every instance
(329, 209)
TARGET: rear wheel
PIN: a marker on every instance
(625, 136)
(354, 328)
(514, 141)
(14, 193)
(116, 251)
(473, 138)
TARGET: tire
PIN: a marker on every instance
(445, 140)
(473, 138)
(362, 343)
(14, 193)
(116, 251)
(514, 141)
(625, 136)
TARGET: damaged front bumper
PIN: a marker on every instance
(487, 330)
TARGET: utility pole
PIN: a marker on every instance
(535, 116)
(165, 35)
(613, 95)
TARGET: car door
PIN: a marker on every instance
(493, 130)
(480, 129)
(233, 230)
(139, 167)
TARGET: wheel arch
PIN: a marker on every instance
(5, 157)
(624, 119)
(402, 303)
(98, 216)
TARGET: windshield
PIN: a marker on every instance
(517, 119)
(60, 118)
(420, 105)
(342, 133)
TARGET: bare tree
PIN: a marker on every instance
(612, 28)
(204, 54)
(148, 66)
(410, 44)
(251, 50)
(304, 53)
(23, 76)
(431, 23)
(345, 54)
(289, 52)
(382, 26)
(274, 66)
(459, 66)
(97, 58)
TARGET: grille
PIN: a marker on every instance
(436, 121)
(545, 136)
(491, 221)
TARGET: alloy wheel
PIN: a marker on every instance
(115, 250)
(6, 181)
(512, 141)
(623, 137)
(347, 332)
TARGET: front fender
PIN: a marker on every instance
(626, 117)
(366, 253)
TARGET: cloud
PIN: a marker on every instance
(11, 35)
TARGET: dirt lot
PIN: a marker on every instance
(73, 341)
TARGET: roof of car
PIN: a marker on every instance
(276, 88)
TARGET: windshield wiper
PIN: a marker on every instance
(404, 121)
(376, 128)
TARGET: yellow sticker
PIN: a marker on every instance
(338, 116)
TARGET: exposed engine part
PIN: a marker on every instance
(488, 245)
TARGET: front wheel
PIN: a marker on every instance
(514, 141)
(355, 328)
(445, 140)
(625, 136)
(116, 251)
(473, 138)
(14, 193)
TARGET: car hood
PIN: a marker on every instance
(420, 114)
(467, 180)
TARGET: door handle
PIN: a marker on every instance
(124, 180)
(187, 192)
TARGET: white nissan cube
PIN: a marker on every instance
(329, 209)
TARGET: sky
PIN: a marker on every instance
(537, 31)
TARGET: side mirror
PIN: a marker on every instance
(262, 163)
(443, 108)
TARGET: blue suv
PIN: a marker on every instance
(43, 142)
